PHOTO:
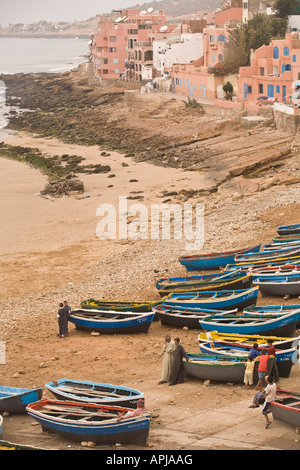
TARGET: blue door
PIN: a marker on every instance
(191, 90)
(271, 91)
(245, 90)
(283, 92)
(204, 91)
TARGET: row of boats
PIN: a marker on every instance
(221, 306)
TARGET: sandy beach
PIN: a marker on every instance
(50, 252)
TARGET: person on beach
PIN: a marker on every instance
(272, 353)
(67, 306)
(168, 353)
(270, 391)
(176, 375)
(254, 351)
(140, 408)
(262, 367)
(63, 318)
(248, 376)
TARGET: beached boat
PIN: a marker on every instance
(288, 229)
(190, 280)
(276, 325)
(1, 426)
(120, 305)
(288, 269)
(111, 322)
(285, 358)
(180, 317)
(215, 300)
(15, 400)
(213, 367)
(280, 342)
(90, 422)
(279, 285)
(286, 407)
(264, 310)
(243, 281)
(281, 260)
(213, 260)
(91, 392)
(267, 255)
(287, 238)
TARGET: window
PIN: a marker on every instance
(115, 61)
(105, 72)
(261, 71)
(249, 89)
(261, 88)
(112, 49)
(275, 53)
(112, 38)
(213, 58)
(245, 5)
(286, 51)
(277, 89)
(294, 58)
(220, 58)
(116, 70)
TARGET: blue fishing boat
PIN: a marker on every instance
(242, 281)
(15, 400)
(285, 358)
(213, 260)
(181, 316)
(280, 261)
(91, 422)
(215, 300)
(278, 325)
(264, 310)
(267, 255)
(288, 229)
(287, 238)
(279, 285)
(286, 407)
(174, 281)
(1, 426)
(90, 392)
(111, 322)
(288, 269)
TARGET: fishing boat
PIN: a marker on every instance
(285, 358)
(180, 317)
(267, 255)
(280, 342)
(286, 407)
(120, 305)
(91, 392)
(279, 285)
(1, 426)
(213, 260)
(287, 238)
(243, 281)
(111, 322)
(90, 422)
(281, 246)
(264, 310)
(288, 229)
(288, 269)
(213, 367)
(15, 400)
(194, 280)
(276, 325)
(280, 261)
(215, 300)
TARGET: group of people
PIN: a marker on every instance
(172, 365)
(262, 357)
(63, 319)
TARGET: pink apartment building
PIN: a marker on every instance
(274, 71)
(194, 79)
(113, 46)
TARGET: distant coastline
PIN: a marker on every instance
(45, 36)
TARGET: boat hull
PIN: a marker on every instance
(268, 287)
(286, 409)
(181, 317)
(15, 400)
(137, 324)
(81, 389)
(119, 305)
(129, 430)
(231, 371)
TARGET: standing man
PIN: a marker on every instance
(167, 352)
(176, 375)
(63, 318)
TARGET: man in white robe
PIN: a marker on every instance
(167, 353)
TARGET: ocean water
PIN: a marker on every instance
(34, 55)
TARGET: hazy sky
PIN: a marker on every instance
(29, 11)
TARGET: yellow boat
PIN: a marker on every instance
(279, 342)
(121, 305)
